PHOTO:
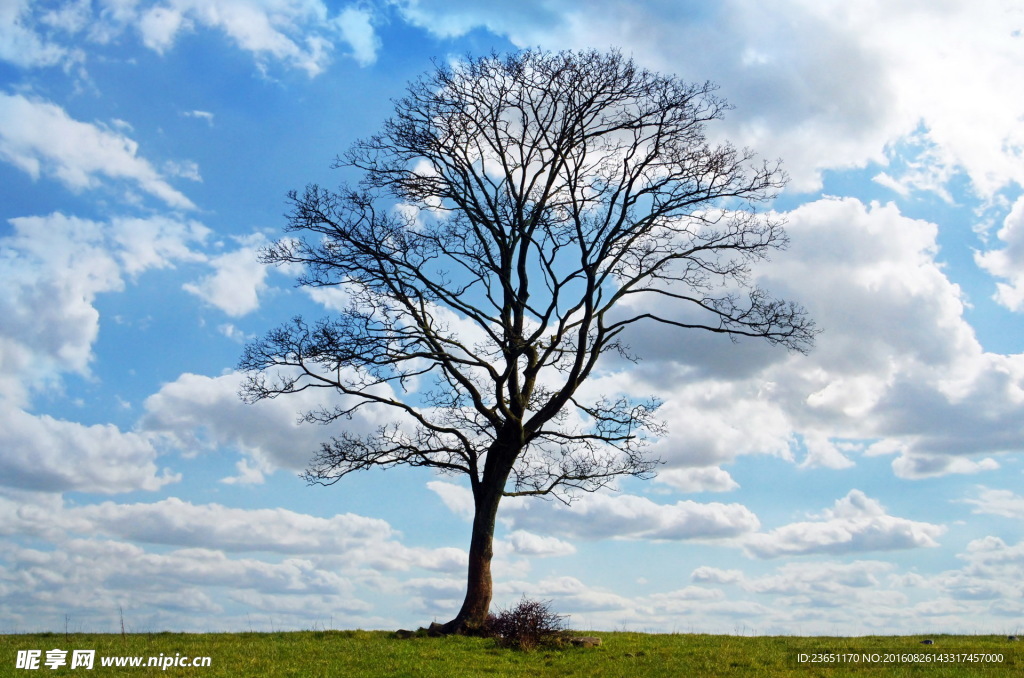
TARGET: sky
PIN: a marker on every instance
(873, 486)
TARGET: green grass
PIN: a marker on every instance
(378, 653)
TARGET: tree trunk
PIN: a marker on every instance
(473, 615)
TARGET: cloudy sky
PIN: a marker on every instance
(874, 486)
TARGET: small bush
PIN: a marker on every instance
(526, 626)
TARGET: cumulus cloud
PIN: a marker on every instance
(852, 593)
(268, 30)
(914, 465)
(820, 85)
(359, 540)
(237, 281)
(821, 578)
(824, 452)
(604, 515)
(211, 526)
(897, 357)
(571, 595)
(855, 524)
(990, 576)
(92, 574)
(997, 502)
(38, 452)
(1008, 263)
(708, 479)
(209, 559)
(40, 138)
(195, 413)
(682, 600)
(54, 267)
(855, 597)
(880, 295)
(529, 544)
(456, 498)
(715, 575)
(896, 370)
(298, 33)
(991, 556)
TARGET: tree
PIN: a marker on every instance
(516, 215)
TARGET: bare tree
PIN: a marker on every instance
(516, 215)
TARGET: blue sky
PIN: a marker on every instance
(873, 486)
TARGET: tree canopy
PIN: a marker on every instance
(515, 216)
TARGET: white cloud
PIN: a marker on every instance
(363, 542)
(897, 365)
(92, 574)
(155, 242)
(991, 556)
(40, 138)
(914, 466)
(823, 452)
(708, 479)
(212, 526)
(256, 28)
(238, 279)
(712, 419)
(195, 413)
(603, 515)
(714, 575)
(997, 502)
(879, 295)
(928, 168)
(159, 26)
(691, 600)
(234, 334)
(54, 267)
(38, 452)
(821, 578)
(356, 29)
(207, 559)
(456, 498)
(186, 169)
(570, 595)
(200, 115)
(20, 44)
(821, 85)
(71, 17)
(335, 298)
(990, 577)
(249, 473)
(1008, 263)
(855, 524)
(298, 33)
(529, 544)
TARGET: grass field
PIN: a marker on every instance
(379, 653)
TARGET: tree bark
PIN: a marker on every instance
(471, 618)
(479, 588)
